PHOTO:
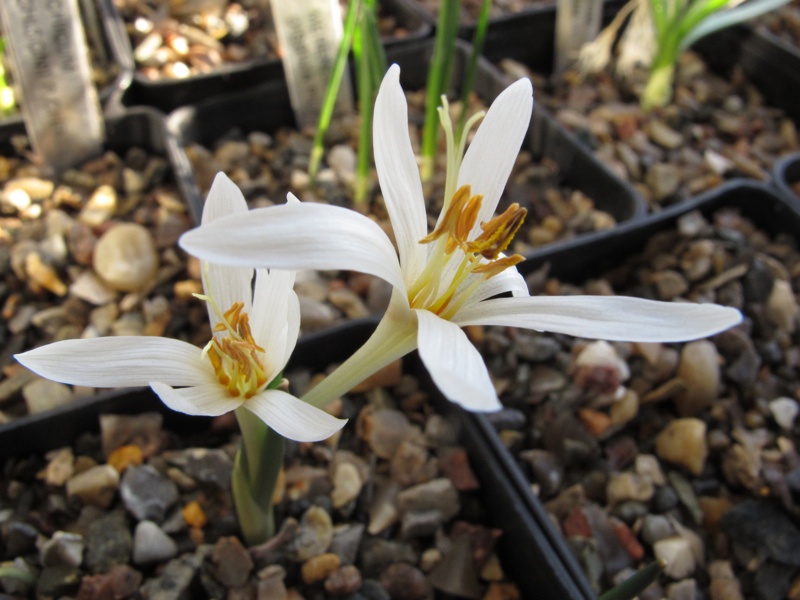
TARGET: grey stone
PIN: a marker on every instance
(108, 542)
(151, 544)
(147, 494)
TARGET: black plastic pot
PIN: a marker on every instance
(785, 177)
(267, 108)
(587, 259)
(527, 555)
(169, 94)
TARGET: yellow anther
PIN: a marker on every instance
(234, 356)
(498, 232)
(451, 217)
(499, 265)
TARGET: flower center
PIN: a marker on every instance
(234, 355)
(445, 283)
(455, 257)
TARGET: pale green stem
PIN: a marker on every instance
(658, 91)
(255, 471)
(394, 337)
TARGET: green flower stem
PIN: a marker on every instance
(392, 339)
(478, 41)
(334, 83)
(438, 81)
(255, 471)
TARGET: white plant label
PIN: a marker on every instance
(309, 32)
(50, 68)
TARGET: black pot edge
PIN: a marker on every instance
(769, 211)
(170, 94)
(785, 173)
(580, 169)
(527, 555)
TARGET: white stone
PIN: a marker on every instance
(125, 257)
(678, 555)
(784, 411)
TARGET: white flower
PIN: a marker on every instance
(255, 332)
(450, 278)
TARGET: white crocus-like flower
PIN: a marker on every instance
(254, 333)
(451, 277)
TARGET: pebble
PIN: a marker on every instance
(314, 536)
(346, 541)
(764, 528)
(724, 584)
(42, 395)
(343, 581)
(387, 429)
(96, 486)
(151, 544)
(120, 582)
(781, 307)
(347, 485)
(784, 410)
(108, 542)
(174, 580)
(404, 582)
(439, 495)
(147, 494)
(664, 180)
(101, 206)
(232, 562)
(683, 442)
(63, 549)
(700, 372)
(318, 568)
(656, 528)
(628, 486)
(677, 553)
(125, 257)
(342, 159)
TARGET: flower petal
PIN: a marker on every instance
(398, 172)
(276, 317)
(298, 236)
(224, 198)
(293, 418)
(605, 317)
(207, 400)
(119, 362)
(494, 149)
(455, 365)
(226, 284)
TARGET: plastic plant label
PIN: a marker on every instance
(309, 32)
(50, 66)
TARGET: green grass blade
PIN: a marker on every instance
(438, 80)
(636, 583)
(362, 51)
(334, 83)
(723, 19)
(478, 41)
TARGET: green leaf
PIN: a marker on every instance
(731, 16)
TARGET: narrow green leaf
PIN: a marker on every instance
(732, 16)
(438, 80)
(334, 83)
(636, 583)
(478, 40)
